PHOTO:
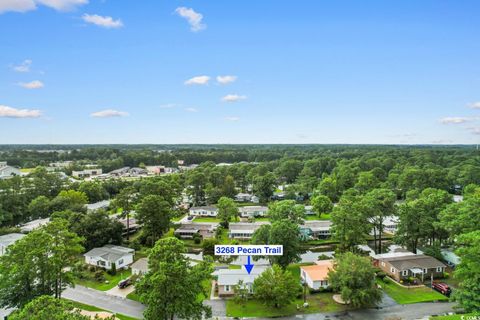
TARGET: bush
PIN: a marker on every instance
(99, 276)
(92, 268)
(197, 238)
(113, 270)
(381, 275)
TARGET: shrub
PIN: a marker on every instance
(197, 238)
(113, 270)
(92, 268)
(99, 276)
(381, 275)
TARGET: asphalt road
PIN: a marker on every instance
(105, 301)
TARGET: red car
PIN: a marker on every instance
(443, 288)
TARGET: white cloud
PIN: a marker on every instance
(199, 80)
(474, 105)
(193, 18)
(28, 5)
(475, 130)
(23, 67)
(168, 106)
(232, 118)
(454, 120)
(191, 110)
(233, 98)
(102, 21)
(35, 84)
(226, 79)
(9, 112)
(109, 113)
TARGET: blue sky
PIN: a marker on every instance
(105, 71)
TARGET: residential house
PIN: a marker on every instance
(188, 230)
(450, 257)
(98, 205)
(246, 197)
(109, 255)
(228, 279)
(86, 173)
(128, 172)
(309, 211)
(7, 171)
(316, 276)
(402, 266)
(206, 211)
(316, 229)
(390, 224)
(140, 267)
(244, 230)
(7, 240)
(253, 211)
(35, 224)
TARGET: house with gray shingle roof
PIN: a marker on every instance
(108, 255)
(7, 240)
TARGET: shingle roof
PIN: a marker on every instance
(231, 277)
(141, 265)
(10, 238)
(109, 252)
(414, 261)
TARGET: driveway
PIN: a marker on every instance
(219, 307)
(105, 301)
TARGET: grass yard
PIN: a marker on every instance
(103, 286)
(321, 302)
(206, 219)
(295, 269)
(406, 296)
(133, 296)
(176, 219)
(465, 316)
(87, 307)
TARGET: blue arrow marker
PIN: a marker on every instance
(248, 266)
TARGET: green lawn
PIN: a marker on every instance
(93, 308)
(295, 269)
(103, 286)
(456, 316)
(321, 302)
(133, 296)
(206, 219)
(179, 218)
(406, 296)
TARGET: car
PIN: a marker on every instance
(441, 287)
(190, 217)
(124, 283)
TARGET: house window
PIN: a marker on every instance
(439, 269)
(227, 288)
(120, 262)
(392, 270)
(101, 263)
(404, 273)
(425, 270)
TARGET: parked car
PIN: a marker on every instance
(190, 217)
(124, 283)
(441, 287)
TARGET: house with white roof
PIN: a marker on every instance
(35, 224)
(246, 197)
(253, 211)
(205, 211)
(244, 230)
(7, 240)
(228, 279)
(140, 267)
(109, 255)
(104, 204)
(7, 171)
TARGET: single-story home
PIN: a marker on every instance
(316, 229)
(140, 267)
(108, 255)
(7, 240)
(390, 224)
(450, 257)
(401, 266)
(253, 211)
(206, 211)
(227, 279)
(246, 197)
(35, 224)
(7, 171)
(104, 204)
(86, 173)
(316, 276)
(244, 230)
(309, 211)
(187, 230)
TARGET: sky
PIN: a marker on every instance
(239, 71)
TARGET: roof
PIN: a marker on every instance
(317, 225)
(252, 208)
(110, 252)
(413, 261)
(212, 208)
(10, 238)
(231, 277)
(98, 205)
(141, 265)
(319, 271)
(246, 226)
(32, 225)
